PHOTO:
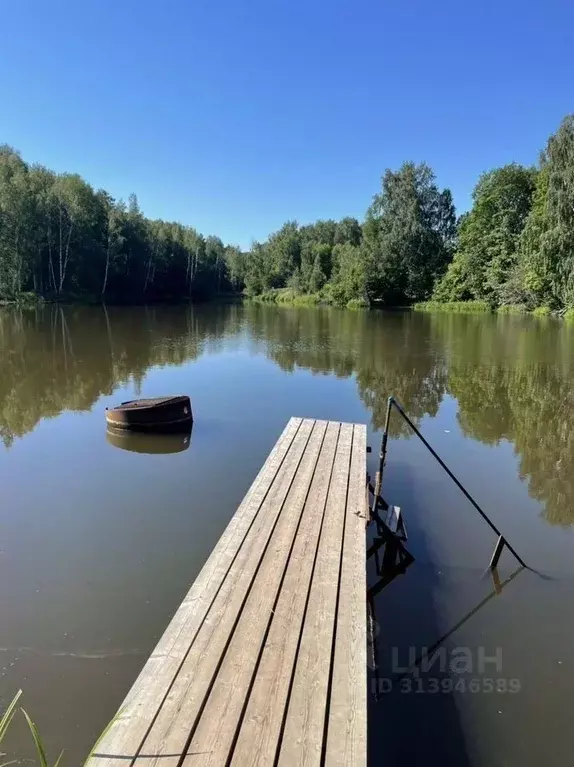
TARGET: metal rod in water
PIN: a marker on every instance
(497, 552)
(382, 457)
(392, 401)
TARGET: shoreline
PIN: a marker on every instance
(286, 298)
(482, 307)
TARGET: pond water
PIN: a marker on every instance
(100, 538)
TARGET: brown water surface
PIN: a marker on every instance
(100, 536)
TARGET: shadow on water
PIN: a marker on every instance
(415, 712)
(405, 723)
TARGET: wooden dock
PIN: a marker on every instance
(264, 663)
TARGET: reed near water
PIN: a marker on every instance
(5, 722)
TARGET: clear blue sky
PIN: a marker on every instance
(236, 115)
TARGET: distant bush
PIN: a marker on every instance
(541, 311)
(512, 309)
(21, 299)
(358, 303)
(287, 296)
(268, 296)
(569, 315)
(300, 299)
(456, 307)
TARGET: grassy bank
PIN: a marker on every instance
(454, 307)
(482, 307)
(358, 303)
(542, 311)
(512, 309)
(289, 297)
(21, 299)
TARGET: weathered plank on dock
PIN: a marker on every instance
(265, 660)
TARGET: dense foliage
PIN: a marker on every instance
(403, 246)
(488, 237)
(59, 238)
(516, 245)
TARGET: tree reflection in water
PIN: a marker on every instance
(511, 376)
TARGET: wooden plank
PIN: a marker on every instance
(259, 733)
(265, 661)
(213, 739)
(347, 722)
(167, 739)
(303, 734)
(141, 706)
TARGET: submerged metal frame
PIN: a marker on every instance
(501, 541)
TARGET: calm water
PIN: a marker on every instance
(99, 539)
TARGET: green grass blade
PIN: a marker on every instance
(8, 715)
(37, 741)
(104, 733)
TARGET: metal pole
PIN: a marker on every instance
(392, 401)
(383, 453)
(382, 457)
(497, 552)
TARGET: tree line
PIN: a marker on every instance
(515, 246)
(59, 238)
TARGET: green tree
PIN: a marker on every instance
(75, 204)
(258, 271)
(41, 183)
(60, 238)
(348, 231)
(114, 237)
(235, 262)
(283, 250)
(408, 235)
(16, 222)
(194, 246)
(547, 246)
(349, 274)
(317, 279)
(516, 245)
(488, 237)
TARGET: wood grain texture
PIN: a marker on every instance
(265, 660)
(213, 738)
(137, 712)
(347, 720)
(182, 707)
(259, 734)
(302, 741)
